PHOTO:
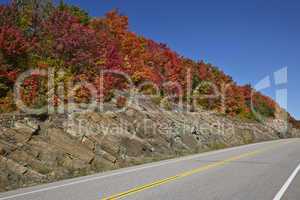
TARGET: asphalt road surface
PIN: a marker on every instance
(262, 171)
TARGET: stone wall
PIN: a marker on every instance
(39, 149)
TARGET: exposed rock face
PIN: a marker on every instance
(33, 151)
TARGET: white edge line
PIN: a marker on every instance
(136, 169)
(281, 192)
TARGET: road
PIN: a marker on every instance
(262, 171)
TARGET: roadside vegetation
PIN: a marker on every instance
(41, 35)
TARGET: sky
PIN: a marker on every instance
(248, 40)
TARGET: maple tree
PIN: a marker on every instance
(42, 35)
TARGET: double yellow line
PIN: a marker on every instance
(184, 174)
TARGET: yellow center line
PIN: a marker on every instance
(184, 174)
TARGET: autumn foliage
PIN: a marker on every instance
(41, 35)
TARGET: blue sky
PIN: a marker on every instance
(247, 39)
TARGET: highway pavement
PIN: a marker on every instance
(261, 171)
